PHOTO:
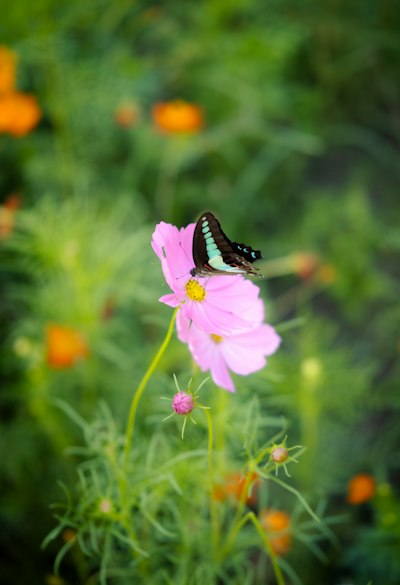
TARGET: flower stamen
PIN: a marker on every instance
(216, 338)
(195, 291)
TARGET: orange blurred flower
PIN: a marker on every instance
(305, 264)
(126, 115)
(177, 117)
(65, 346)
(361, 488)
(13, 202)
(7, 213)
(19, 113)
(311, 266)
(277, 526)
(234, 487)
(7, 70)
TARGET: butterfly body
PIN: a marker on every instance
(214, 253)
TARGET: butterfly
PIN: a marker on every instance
(214, 253)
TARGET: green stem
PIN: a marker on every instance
(309, 414)
(220, 435)
(213, 509)
(142, 386)
(122, 472)
(250, 516)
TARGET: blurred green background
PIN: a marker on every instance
(298, 154)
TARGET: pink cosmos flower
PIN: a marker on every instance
(221, 305)
(243, 352)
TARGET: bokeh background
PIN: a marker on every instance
(281, 117)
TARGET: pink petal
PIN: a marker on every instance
(179, 256)
(234, 290)
(264, 337)
(183, 327)
(199, 342)
(174, 248)
(186, 237)
(202, 351)
(205, 352)
(239, 297)
(220, 374)
(171, 300)
(162, 238)
(212, 320)
(245, 353)
(162, 234)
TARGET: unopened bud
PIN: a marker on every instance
(279, 454)
(183, 403)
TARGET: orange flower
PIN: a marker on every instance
(305, 264)
(65, 346)
(127, 115)
(7, 70)
(277, 526)
(311, 266)
(13, 202)
(234, 485)
(361, 488)
(7, 213)
(178, 117)
(19, 113)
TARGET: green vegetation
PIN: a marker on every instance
(297, 154)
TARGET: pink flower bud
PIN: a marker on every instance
(183, 403)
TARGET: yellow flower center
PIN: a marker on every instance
(216, 338)
(195, 291)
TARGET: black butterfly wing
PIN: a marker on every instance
(236, 255)
(200, 255)
(221, 239)
(232, 252)
(247, 252)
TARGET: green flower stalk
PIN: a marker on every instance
(142, 386)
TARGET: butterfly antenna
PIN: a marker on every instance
(182, 275)
(184, 251)
(186, 273)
